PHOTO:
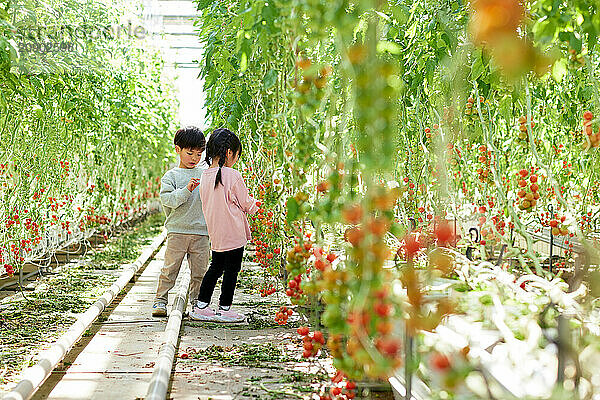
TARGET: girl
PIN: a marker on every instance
(225, 203)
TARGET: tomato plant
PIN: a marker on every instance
(82, 142)
(379, 131)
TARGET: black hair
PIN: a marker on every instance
(190, 137)
(219, 142)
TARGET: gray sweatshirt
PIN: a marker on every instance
(182, 207)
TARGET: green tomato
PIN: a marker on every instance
(38, 111)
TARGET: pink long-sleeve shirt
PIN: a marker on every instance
(225, 208)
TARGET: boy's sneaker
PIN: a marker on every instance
(203, 314)
(159, 309)
(229, 316)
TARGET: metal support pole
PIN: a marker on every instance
(551, 210)
(455, 235)
(562, 342)
(501, 255)
(408, 353)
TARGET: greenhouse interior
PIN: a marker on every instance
(300, 199)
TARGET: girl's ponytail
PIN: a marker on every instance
(219, 142)
(222, 158)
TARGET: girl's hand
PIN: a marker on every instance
(194, 182)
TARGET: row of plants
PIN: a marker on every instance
(86, 119)
(32, 320)
(379, 132)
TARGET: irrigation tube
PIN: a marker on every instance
(159, 382)
(34, 376)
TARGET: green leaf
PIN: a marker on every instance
(253, 125)
(412, 31)
(245, 99)
(269, 14)
(360, 28)
(384, 16)
(235, 115)
(545, 30)
(292, 210)
(270, 79)
(575, 43)
(202, 4)
(447, 40)
(247, 17)
(505, 107)
(390, 47)
(477, 68)
(559, 70)
(233, 122)
(401, 13)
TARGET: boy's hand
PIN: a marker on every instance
(194, 182)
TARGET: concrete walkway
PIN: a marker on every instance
(257, 359)
(117, 361)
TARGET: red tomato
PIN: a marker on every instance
(440, 362)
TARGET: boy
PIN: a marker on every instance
(186, 227)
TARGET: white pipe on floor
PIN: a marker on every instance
(34, 376)
(159, 382)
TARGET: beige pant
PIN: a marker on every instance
(197, 249)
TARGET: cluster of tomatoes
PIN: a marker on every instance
(320, 263)
(469, 107)
(497, 221)
(387, 344)
(558, 227)
(10, 270)
(587, 222)
(66, 167)
(454, 154)
(410, 187)
(268, 290)
(296, 266)
(431, 132)
(523, 128)
(340, 389)
(376, 320)
(294, 291)
(483, 172)
(337, 392)
(529, 189)
(264, 255)
(283, 314)
(264, 228)
(319, 80)
(311, 341)
(500, 224)
(91, 219)
(592, 139)
(33, 228)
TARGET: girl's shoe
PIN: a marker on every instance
(229, 316)
(203, 314)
